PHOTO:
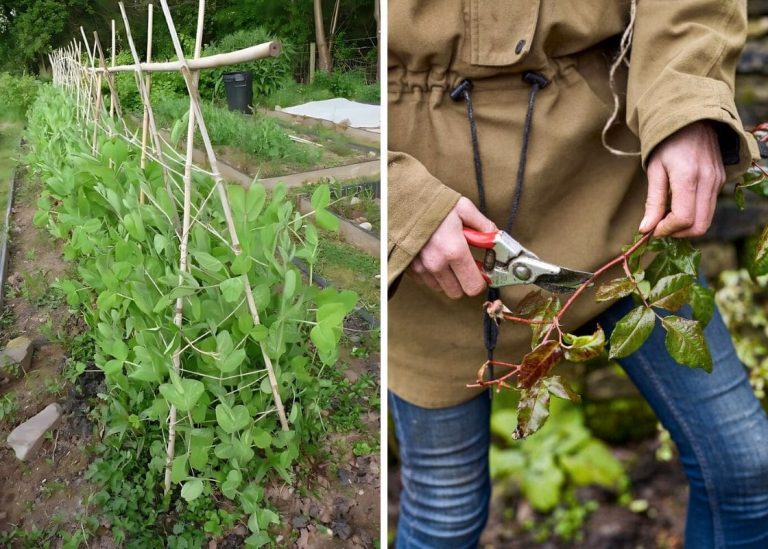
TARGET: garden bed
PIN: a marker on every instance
(334, 500)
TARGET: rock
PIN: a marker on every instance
(342, 529)
(366, 226)
(354, 201)
(27, 437)
(371, 154)
(241, 531)
(351, 375)
(17, 355)
(299, 521)
(344, 476)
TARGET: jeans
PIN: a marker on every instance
(719, 427)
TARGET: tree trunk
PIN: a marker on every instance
(323, 53)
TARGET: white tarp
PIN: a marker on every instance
(341, 111)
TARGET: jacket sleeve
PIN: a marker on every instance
(682, 70)
(417, 203)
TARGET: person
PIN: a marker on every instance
(496, 119)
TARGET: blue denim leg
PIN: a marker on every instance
(720, 430)
(444, 471)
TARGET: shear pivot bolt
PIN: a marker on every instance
(522, 272)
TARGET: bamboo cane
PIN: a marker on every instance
(183, 252)
(148, 85)
(222, 190)
(144, 92)
(253, 53)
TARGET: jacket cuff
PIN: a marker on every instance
(417, 204)
(695, 98)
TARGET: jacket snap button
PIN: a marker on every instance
(519, 47)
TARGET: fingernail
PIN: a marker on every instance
(643, 225)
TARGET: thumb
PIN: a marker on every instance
(472, 217)
(656, 201)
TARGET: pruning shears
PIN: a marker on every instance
(509, 263)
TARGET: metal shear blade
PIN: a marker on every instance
(508, 263)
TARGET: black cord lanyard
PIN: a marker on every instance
(463, 91)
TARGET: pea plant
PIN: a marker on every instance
(131, 291)
(666, 284)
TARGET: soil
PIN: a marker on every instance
(51, 484)
(612, 526)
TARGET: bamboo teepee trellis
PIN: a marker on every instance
(84, 81)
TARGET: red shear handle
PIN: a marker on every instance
(482, 272)
(479, 239)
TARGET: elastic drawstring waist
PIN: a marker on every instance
(463, 91)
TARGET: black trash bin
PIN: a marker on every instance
(239, 90)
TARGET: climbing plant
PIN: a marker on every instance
(126, 282)
(661, 287)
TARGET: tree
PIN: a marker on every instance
(323, 51)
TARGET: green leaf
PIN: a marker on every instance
(614, 289)
(538, 363)
(671, 292)
(200, 441)
(241, 265)
(229, 487)
(232, 289)
(250, 498)
(232, 419)
(289, 284)
(559, 387)
(179, 468)
(761, 246)
(254, 201)
(532, 410)
(208, 262)
(702, 303)
(594, 464)
(321, 198)
(632, 331)
(261, 438)
(327, 220)
(583, 348)
(192, 489)
(542, 484)
(184, 394)
(685, 342)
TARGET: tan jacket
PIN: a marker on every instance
(580, 203)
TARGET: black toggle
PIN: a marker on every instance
(457, 93)
(535, 78)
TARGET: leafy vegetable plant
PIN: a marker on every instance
(128, 282)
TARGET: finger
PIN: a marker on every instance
(706, 201)
(449, 284)
(419, 273)
(656, 201)
(683, 214)
(472, 217)
(466, 271)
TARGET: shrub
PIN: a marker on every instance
(16, 94)
(268, 74)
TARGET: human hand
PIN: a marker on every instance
(688, 166)
(445, 263)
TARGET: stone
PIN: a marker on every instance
(17, 355)
(299, 521)
(354, 201)
(351, 375)
(27, 437)
(366, 226)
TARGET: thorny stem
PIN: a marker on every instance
(554, 324)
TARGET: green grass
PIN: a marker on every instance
(347, 267)
(10, 133)
(350, 85)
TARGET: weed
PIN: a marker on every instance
(8, 407)
(55, 386)
(362, 448)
